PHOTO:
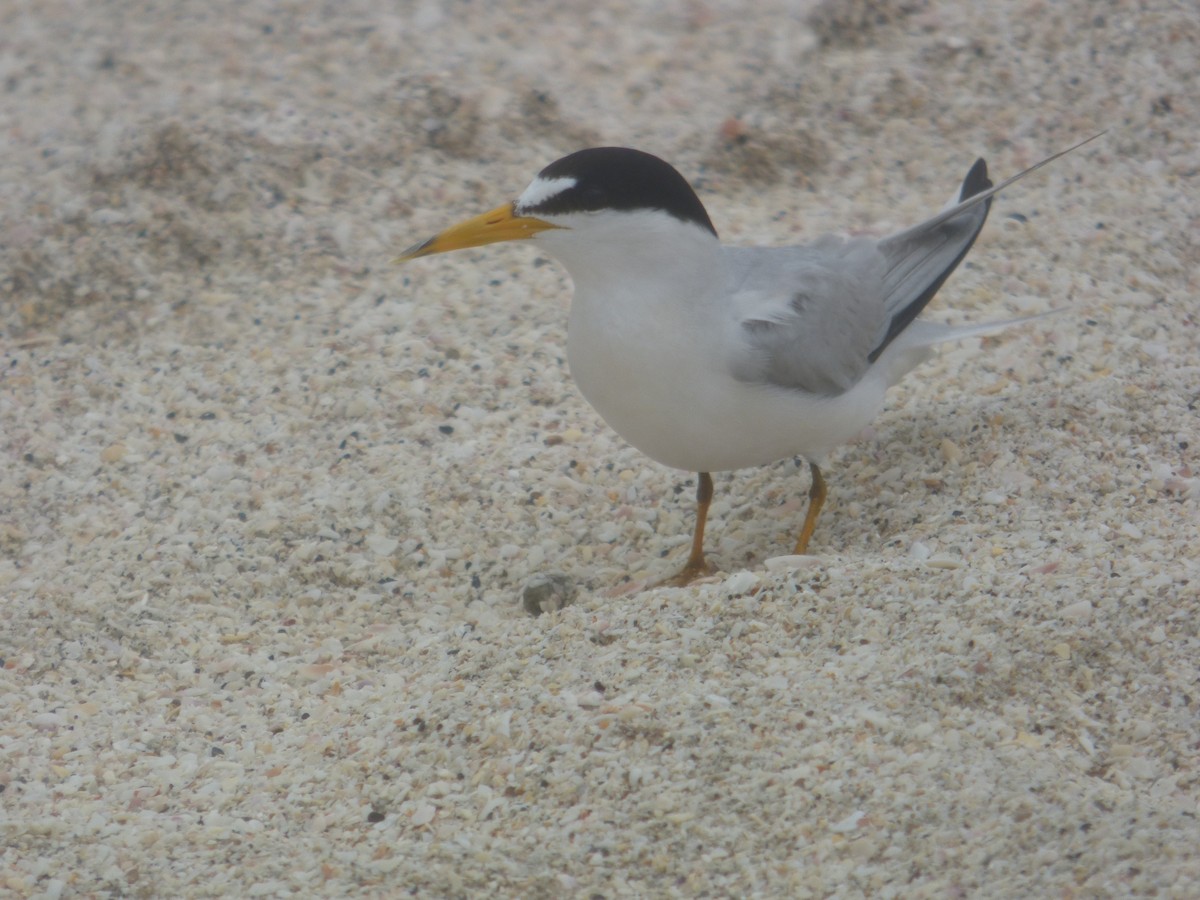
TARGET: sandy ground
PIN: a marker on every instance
(269, 505)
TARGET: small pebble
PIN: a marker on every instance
(548, 592)
(1079, 611)
(790, 563)
(852, 822)
(944, 562)
(740, 582)
(424, 814)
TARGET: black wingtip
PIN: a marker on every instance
(976, 182)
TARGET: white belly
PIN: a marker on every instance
(666, 388)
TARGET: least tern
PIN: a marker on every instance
(709, 358)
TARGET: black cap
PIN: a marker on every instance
(623, 179)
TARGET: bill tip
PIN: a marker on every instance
(413, 252)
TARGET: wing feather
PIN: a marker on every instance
(817, 317)
(809, 315)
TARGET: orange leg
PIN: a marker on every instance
(696, 566)
(816, 499)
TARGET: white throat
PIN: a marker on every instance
(647, 316)
(642, 248)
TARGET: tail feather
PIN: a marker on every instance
(917, 343)
(929, 334)
(921, 258)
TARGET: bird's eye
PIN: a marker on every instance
(593, 197)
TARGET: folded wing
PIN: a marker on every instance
(816, 317)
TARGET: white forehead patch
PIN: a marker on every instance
(541, 190)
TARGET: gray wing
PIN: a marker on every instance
(816, 317)
(809, 316)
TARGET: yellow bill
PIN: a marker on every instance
(501, 224)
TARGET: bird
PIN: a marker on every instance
(709, 358)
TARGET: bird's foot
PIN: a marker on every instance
(693, 570)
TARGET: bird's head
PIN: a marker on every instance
(605, 192)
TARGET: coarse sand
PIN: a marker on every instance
(273, 511)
